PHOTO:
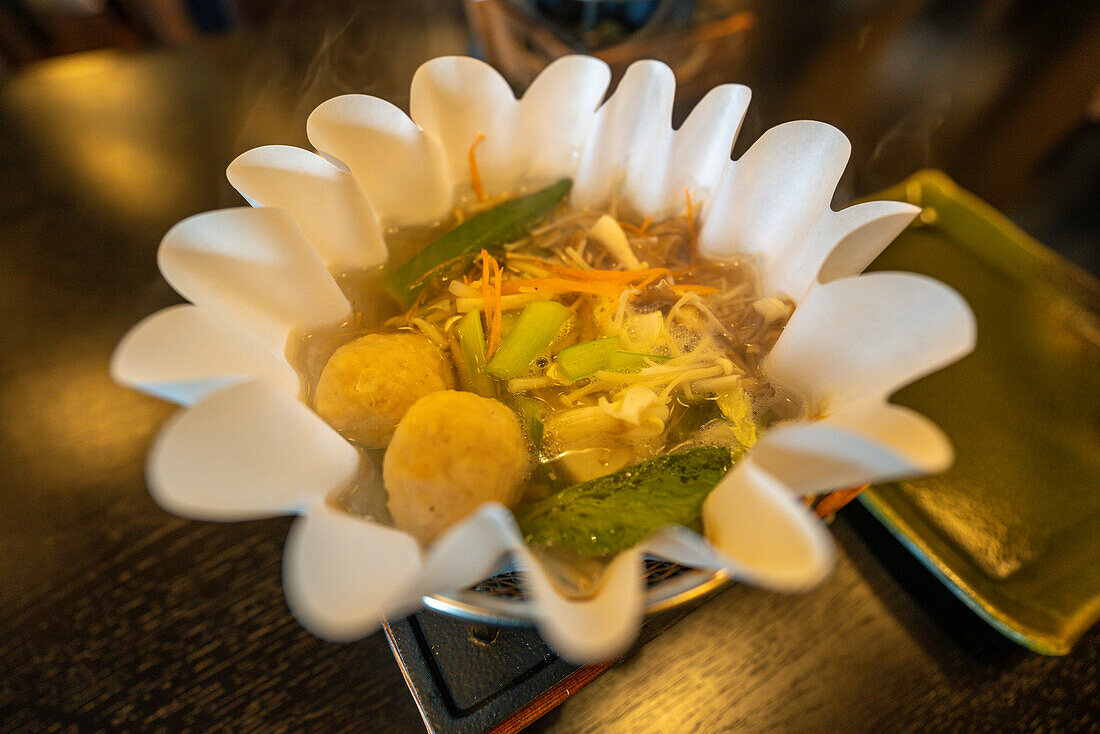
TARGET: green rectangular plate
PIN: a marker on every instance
(1014, 527)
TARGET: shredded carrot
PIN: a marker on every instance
(833, 501)
(636, 228)
(609, 276)
(498, 309)
(563, 285)
(475, 176)
(492, 276)
(486, 288)
(691, 227)
(600, 282)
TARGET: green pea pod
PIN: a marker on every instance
(490, 230)
(611, 514)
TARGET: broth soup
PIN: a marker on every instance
(585, 368)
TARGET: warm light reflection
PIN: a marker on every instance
(100, 80)
(129, 177)
(118, 159)
(78, 67)
(70, 424)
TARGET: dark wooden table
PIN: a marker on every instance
(118, 616)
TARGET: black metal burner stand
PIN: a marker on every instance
(470, 678)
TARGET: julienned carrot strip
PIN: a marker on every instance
(475, 176)
(490, 295)
(833, 501)
(691, 227)
(563, 285)
(498, 307)
(598, 287)
(610, 276)
(486, 284)
(638, 229)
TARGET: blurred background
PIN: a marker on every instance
(1003, 95)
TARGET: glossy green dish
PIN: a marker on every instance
(1014, 527)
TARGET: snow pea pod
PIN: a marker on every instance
(611, 514)
(490, 230)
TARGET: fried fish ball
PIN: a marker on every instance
(369, 383)
(451, 452)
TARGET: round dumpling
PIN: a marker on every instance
(369, 383)
(451, 452)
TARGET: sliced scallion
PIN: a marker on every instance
(471, 344)
(534, 330)
(582, 360)
(530, 412)
(622, 361)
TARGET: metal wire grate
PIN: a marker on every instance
(507, 585)
(503, 584)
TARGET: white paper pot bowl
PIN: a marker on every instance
(245, 446)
